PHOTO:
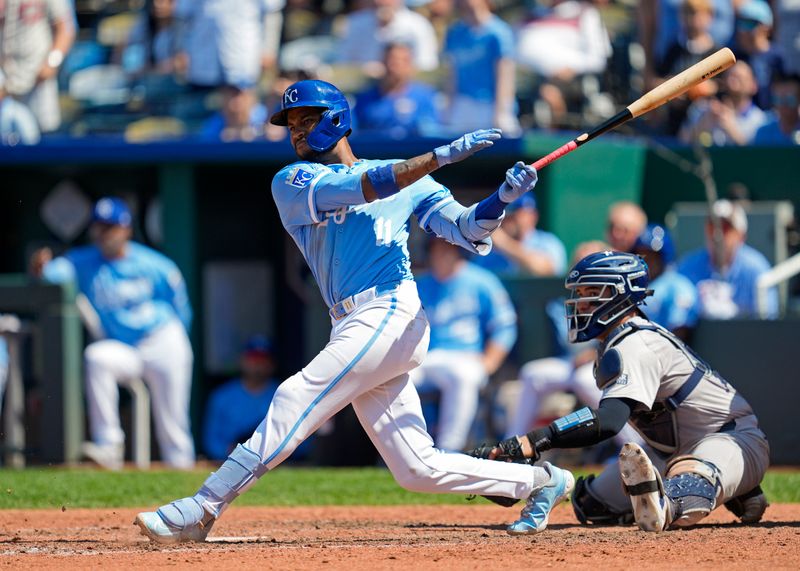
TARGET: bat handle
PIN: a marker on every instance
(558, 153)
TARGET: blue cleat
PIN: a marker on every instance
(539, 505)
(181, 521)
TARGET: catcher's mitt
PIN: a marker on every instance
(508, 450)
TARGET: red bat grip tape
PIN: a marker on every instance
(559, 152)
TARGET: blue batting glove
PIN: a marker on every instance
(466, 146)
(520, 179)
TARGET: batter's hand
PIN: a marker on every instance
(520, 179)
(466, 146)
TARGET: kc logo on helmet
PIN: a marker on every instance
(290, 96)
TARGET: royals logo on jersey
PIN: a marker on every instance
(301, 178)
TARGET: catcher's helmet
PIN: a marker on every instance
(335, 121)
(656, 239)
(622, 281)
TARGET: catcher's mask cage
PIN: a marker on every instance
(617, 282)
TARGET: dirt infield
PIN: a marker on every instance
(374, 538)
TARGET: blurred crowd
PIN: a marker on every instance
(215, 69)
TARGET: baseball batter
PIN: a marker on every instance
(703, 434)
(350, 219)
(143, 308)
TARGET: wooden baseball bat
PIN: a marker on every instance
(670, 89)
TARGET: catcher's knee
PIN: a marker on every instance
(693, 485)
(591, 509)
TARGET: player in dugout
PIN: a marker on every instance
(351, 218)
(707, 448)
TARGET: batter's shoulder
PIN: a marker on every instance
(297, 175)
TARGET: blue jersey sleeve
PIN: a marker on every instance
(505, 40)
(173, 290)
(303, 191)
(683, 308)
(59, 270)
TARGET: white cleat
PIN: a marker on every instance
(643, 484)
(154, 527)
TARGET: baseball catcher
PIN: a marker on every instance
(702, 434)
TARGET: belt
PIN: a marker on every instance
(349, 304)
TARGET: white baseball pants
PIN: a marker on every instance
(459, 376)
(164, 361)
(543, 377)
(366, 363)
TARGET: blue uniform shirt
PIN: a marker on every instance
(674, 301)
(475, 51)
(232, 414)
(351, 245)
(538, 241)
(133, 295)
(468, 310)
(770, 134)
(748, 264)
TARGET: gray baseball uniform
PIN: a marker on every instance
(684, 408)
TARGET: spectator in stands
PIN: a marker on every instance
(228, 44)
(238, 406)
(754, 46)
(35, 37)
(140, 301)
(17, 123)
(520, 247)
(479, 48)
(396, 105)
(369, 30)
(728, 118)
(726, 271)
(152, 46)
(570, 369)
(674, 301)
(695, 44)
(626, 222)
(241, 116)
(787, 34)
(473, 327)
(783, 126)
(561, 44)
(660, 27)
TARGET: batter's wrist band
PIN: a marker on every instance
(490, 208)
(383, 181)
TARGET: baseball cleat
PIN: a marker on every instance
(536, 512)
(643, 484)
(181, 521)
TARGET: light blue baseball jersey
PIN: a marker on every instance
(474, 51)
(748, 264)
(468, 310)
(538, 241)
(674, 301)
(133, 295)
(350, 245)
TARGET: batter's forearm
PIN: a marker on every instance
(404, 174)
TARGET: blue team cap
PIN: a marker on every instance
(112, 211)
(527, 200)
(756, 11)
(258, 345)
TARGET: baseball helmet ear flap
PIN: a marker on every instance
(333, 125)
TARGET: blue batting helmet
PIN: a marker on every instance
(656, 239)
(622, 281)
(335, 121)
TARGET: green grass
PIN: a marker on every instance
(77, 487)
